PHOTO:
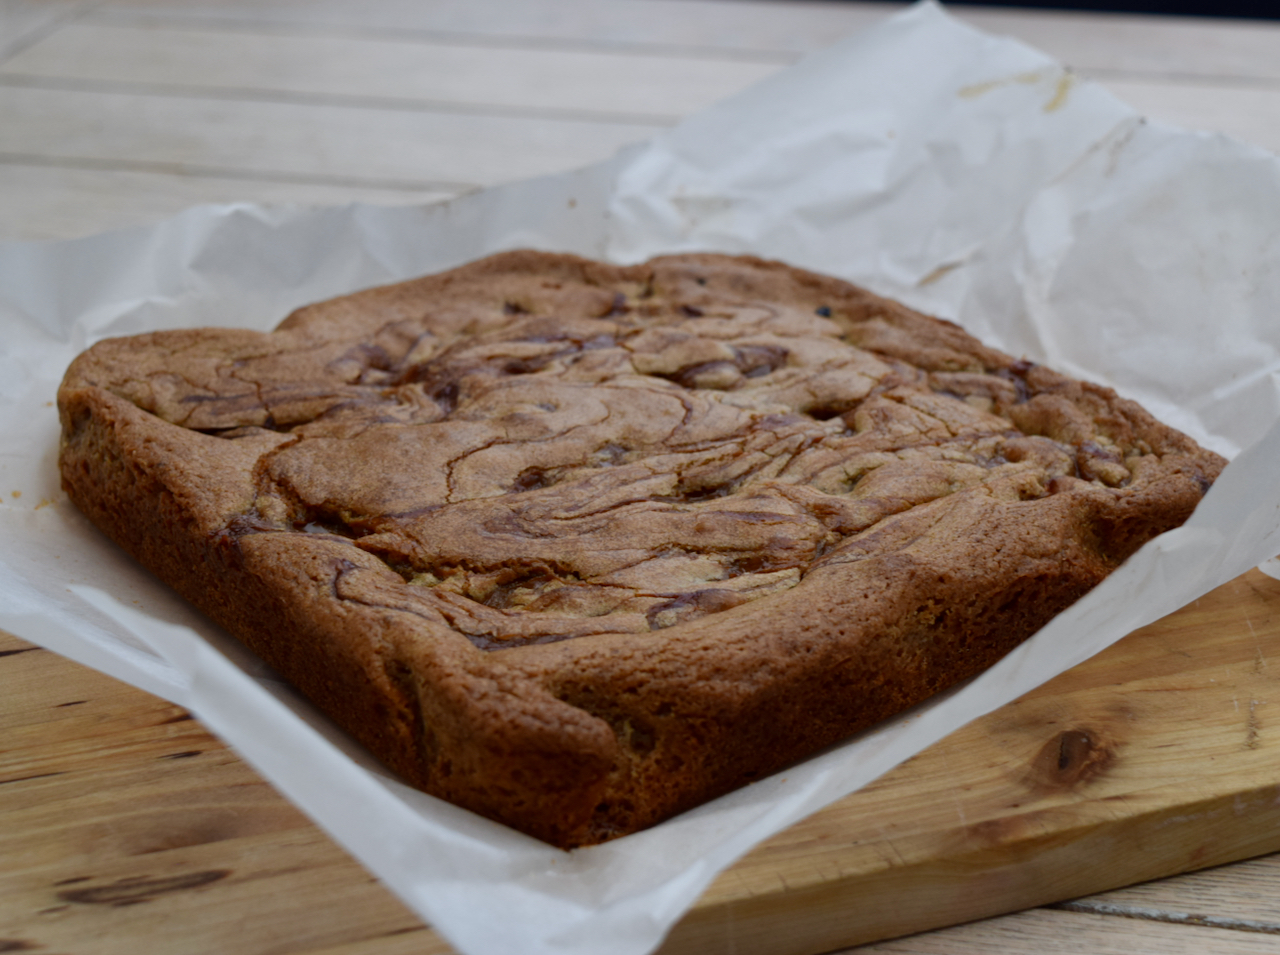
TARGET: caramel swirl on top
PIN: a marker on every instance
(623, 450)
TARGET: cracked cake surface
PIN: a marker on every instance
(579, 546)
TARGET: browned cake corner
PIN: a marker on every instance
(579, 546)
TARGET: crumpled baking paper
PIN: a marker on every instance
(968, 175)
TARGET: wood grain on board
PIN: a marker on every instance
(122, 820)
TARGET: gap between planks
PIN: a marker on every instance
(1174, 918)
(1057, 932)
(1244, 896)
(722, 27)
(435, 188)
(42, 198)
(596, 86)
(196, 91)
(436, 36)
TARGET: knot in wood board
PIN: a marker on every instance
(1071, 758)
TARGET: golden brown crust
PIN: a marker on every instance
(580, 546)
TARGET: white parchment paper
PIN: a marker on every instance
(968, 175)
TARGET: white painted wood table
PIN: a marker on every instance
(120, 112)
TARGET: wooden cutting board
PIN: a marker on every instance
(124, 824)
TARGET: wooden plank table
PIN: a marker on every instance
(125, 827)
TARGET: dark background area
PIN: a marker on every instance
(1256, 9)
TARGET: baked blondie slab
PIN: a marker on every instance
(580, 546)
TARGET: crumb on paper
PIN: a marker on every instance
(978, 89)
(938, 273)
(1065, 82)
(1062, 88)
